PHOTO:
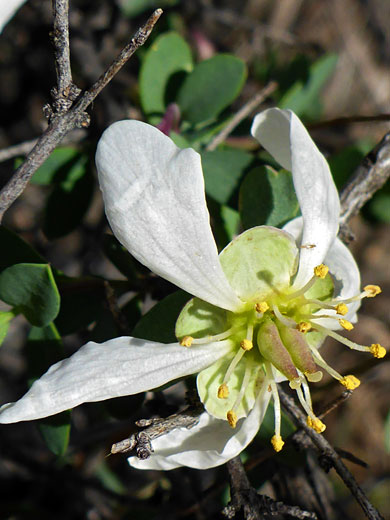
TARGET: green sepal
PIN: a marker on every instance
(259, 261)
(209, 380)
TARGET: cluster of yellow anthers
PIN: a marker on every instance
(278, 326)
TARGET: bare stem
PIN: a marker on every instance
(368, 178)
(65, 121)
(330, 454)
(60, 37)
(244, 112)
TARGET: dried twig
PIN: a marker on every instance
(141, 441)
(244, 112)
(62, 120)
(66, 91)
(341, 121)
(254, 506)
(330, 456)
(368, 178)
(17, 150)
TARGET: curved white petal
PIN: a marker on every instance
(283, 135)
(7, 10)
(343, 268)
(155, 203)
(118, 367)
(210, 443)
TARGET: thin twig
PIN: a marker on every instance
(60, 37)
(342, 121)
(17, 150)
(76, 117)
(244, 112)
(141, 441)
(329, 407)
(368, 178)
(330, 455)
(23, 149)
(253, 505)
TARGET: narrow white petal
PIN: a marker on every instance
(283, 135)
(7, 10)
(118, 367)
(210, 443)
(155, 203)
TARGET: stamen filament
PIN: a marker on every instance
(302, 290)
(276, 441)
(351, 344)
(244, 386)
(234, 362)
(306, 391)
(323, 364)
(216, 337)
(305, 405)
(289, 322)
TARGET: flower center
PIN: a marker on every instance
(278, 335)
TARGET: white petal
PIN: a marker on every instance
(283, 135)
(155, 203)
(210, 443)
(118, 367)
(7, 10)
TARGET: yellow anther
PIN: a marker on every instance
(232, 418)
(186, 341)
(261, 307)
(317, 425)
(304, 326)
(341, 309)
(277, 442)
(246, 344)
(377, 350)
(223, 391)
(372, 290)
(347, 325)
(321, 271)
(350, 382)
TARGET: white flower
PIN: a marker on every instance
(248, 296)
(7, 10)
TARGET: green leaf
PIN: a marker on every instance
(44, 348)
(14, 250)
(303, 97)
(231, 221)
(267, 197)
(70, 199)
(159, 323)
(344, 163)
(212, 86)
(222, 171)
(168, 55)
(5, 319)
(31, 288)
(59, 159)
